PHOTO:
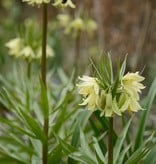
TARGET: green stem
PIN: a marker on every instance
(28, 69)
(28, 90)
(44, 40)
(43, 77)
(110, 141)
(77, 53)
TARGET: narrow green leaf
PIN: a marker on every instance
(14, 154)
(33, 125)
(98, 151)
(98, 133)
(138, 155)
(82, 157)
(14, 140)
(120, 140)
(143, 120)
(56, 155)
(67, 148)
(110, 67)
(123, 67)
(122, 155)
(16, 127)
(80, 122)
(84, 144)
(60, 120)
(151, 156)
(6, 159)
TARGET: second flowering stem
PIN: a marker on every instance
(43, 77)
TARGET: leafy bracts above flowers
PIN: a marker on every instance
(108, 96)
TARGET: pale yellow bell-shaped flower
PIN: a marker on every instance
(14, 46)
(131, 83)
(101, 102)
(127, 102)
(63, 19)
(134, 105)
(37, 2)
(61, 3)
(110, 106)
(89, 88)
(27, 52)
(90, 26)
(123, 102)
(49, 52)
(75, 27)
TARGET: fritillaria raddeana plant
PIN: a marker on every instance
(27, 46)
(111, 95)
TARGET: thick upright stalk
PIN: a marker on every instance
(110, 141)
(77, 53)
(43, 77)
(44, 40)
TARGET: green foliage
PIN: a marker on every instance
(21, 127)
(147, 105)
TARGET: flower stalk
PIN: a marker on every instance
(77, 54)
(28, 69)
(110, 141)
(43, 78)
(44, 40)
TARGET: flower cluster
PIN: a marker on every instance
(28, 44)
(17, 48)
(38, 2)
(57, 3)
(126, 96)
(76, 25)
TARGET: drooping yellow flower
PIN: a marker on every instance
(90, 26)
(38, 2)
(134, 105)
(63, 3)
(109, 105)
(131, 83)
(127, 102)
(63, 19)
(123, 102)
(49, 52)
(14, 46)
(27, 52)
(89, 88)
(75, 27)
